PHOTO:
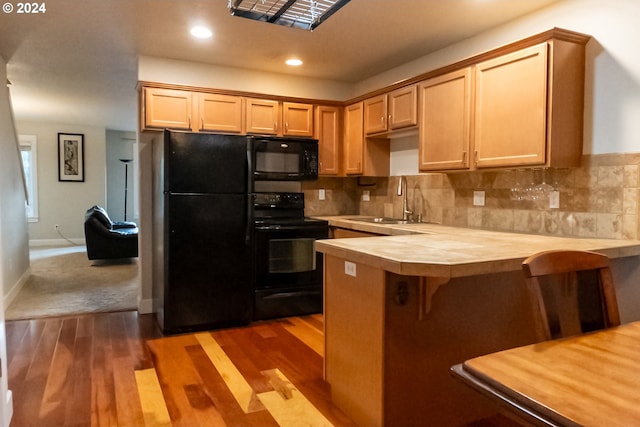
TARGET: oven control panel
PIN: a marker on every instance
(279, 200)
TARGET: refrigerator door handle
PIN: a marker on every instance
(248, 230)
(249, 224)
(249, 165)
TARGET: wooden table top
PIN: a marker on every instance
(589, 380)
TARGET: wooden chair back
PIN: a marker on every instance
(572, 292)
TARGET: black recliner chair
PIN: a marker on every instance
(107, 239)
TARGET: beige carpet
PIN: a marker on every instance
(63, 281)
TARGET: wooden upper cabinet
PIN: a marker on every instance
(220, 113)
(262, 116)
(445, 121)
(353, 138)
(167, 108)
(367, 157)
(327, 125)
(297, 119)
(375, 115)
(396, 110)
(195, 111)
(403, 107)
(511, 109)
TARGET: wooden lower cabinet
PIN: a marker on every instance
(389, 347)
(354, 340)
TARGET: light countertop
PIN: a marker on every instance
(435, 250)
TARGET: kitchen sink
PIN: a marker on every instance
(383, 220)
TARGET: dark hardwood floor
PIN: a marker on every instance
(116, 369)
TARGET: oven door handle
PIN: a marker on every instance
(302, 228)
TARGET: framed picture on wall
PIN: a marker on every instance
(71, 157)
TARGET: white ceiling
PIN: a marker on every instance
(76, 63)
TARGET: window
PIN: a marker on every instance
(29, 153)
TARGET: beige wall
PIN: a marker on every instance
(65, 203)
(213, 76)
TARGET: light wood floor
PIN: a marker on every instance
(116, 369)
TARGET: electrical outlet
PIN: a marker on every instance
(366, 196)
(321, 194)
(554, 200)
(478, 198)
(350, 268)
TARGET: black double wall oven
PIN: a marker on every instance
(287, 270)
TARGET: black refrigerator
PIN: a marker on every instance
(203, 218)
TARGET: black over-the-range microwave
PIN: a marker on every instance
(283, 159)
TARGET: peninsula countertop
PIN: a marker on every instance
(434, 250)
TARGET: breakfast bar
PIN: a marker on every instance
(404, 306)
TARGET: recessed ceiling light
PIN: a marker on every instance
(294, 62)
(201, 32)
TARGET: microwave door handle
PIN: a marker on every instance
(307, 161)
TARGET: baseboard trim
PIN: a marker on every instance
(55, 242)
(8, 408)
(16, 288)
(145, 306)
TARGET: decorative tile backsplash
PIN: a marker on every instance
(599, 199)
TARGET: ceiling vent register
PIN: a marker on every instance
(304, 14)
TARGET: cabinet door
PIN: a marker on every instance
(353, 138)
(511, 109)
(375, 114)
(220, 113)
(328, 135)
(297, 119)
(263, 116)
(403, 107)
(445, 121)
(167, 108)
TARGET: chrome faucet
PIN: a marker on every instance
(402, 191)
